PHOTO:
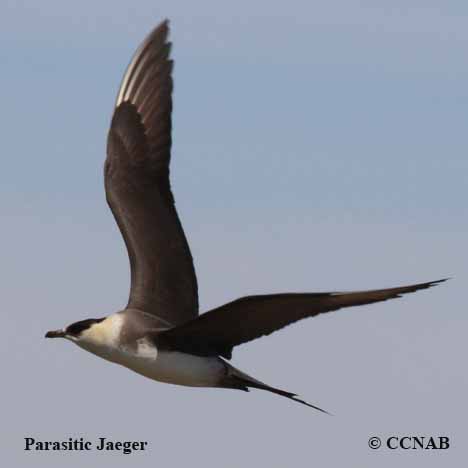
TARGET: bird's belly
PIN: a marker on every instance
(180, 368)
(167, 366)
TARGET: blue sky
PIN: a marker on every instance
(317, 146)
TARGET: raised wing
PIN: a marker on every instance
(219, 330)
(163, 281)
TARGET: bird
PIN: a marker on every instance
(160, 334)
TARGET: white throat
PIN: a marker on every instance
(103, 338)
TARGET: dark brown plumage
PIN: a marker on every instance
(163, 280)
(162, 309)
(219, 330)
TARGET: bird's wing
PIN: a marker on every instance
(219, 330)
(163, 280)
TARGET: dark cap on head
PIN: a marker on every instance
(74, 329)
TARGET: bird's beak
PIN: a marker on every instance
(55, 334)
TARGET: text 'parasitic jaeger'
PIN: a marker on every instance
(160, 334)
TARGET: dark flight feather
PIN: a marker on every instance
(218, 331)
(163, 281)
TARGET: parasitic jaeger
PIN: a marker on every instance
(160, 334)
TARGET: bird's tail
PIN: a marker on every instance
(237, 379)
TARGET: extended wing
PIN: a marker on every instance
(219, 330)
(163, 281)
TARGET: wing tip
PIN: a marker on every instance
(431, 284)
(443, 280)
(403, 290)
(159, 34)
(163, 28)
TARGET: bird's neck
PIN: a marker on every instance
(105, 333)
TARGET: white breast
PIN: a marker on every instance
(174, 367)
(171, 367)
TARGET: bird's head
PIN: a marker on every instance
(77, 331)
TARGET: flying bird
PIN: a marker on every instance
(160, 333)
